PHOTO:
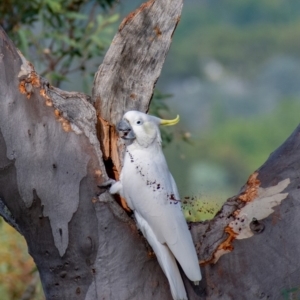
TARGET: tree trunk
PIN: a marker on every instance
(57, 146)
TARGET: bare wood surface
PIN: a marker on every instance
(126, 78)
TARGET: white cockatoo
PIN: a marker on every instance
(150, 191)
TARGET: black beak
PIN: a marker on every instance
(125, 130)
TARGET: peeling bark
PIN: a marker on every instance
(56, 147)
(125, 80)
(264, 248)
(51, 163)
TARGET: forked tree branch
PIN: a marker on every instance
(56, 147)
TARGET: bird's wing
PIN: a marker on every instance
(184, 249)
(147, 187)
(165, 259)
(150, 189)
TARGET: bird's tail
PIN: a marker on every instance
(165, 259)
(170, 268)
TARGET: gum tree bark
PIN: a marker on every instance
(57, 146)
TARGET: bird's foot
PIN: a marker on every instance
(107, 184)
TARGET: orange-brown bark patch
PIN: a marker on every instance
(109, 146)
(132, 96)
(103, 130)
(124, 204)
(65, 123)
(227, 244)
(35, 80)
(151, 254)
(157, 31)
(98, 173)
(22, 87)
(109, 138)
(131, 16)
(48, 100)
(66, 126)
(248, 195)
(251, 189)
(26, 85)
(224, 247)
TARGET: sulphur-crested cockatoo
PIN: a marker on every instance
(150, 191)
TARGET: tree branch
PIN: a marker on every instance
(86, 242)
(7, 216)
(58, 149)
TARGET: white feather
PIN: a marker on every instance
(151, 192)
(116, 188)
(165, 259)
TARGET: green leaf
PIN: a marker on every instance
(76, 16)
(112, 19)
(22, 33)
(98, 41)
(54, 5)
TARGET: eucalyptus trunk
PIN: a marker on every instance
(56, 147)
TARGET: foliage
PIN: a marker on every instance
(198, 210)
(17, 269)
(60, 37)
(244, 38)
(241, 35)
(15, 13)
(251, 139)
(236, 147)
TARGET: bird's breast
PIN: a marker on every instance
(146, 182)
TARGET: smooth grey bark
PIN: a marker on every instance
(267, 265)
(84, 245)
(57, 146)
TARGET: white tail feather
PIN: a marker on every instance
(165, 259)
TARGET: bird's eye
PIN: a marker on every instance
(138, 122)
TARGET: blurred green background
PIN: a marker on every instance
(233, 71)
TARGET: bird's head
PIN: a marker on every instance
(142, 128)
